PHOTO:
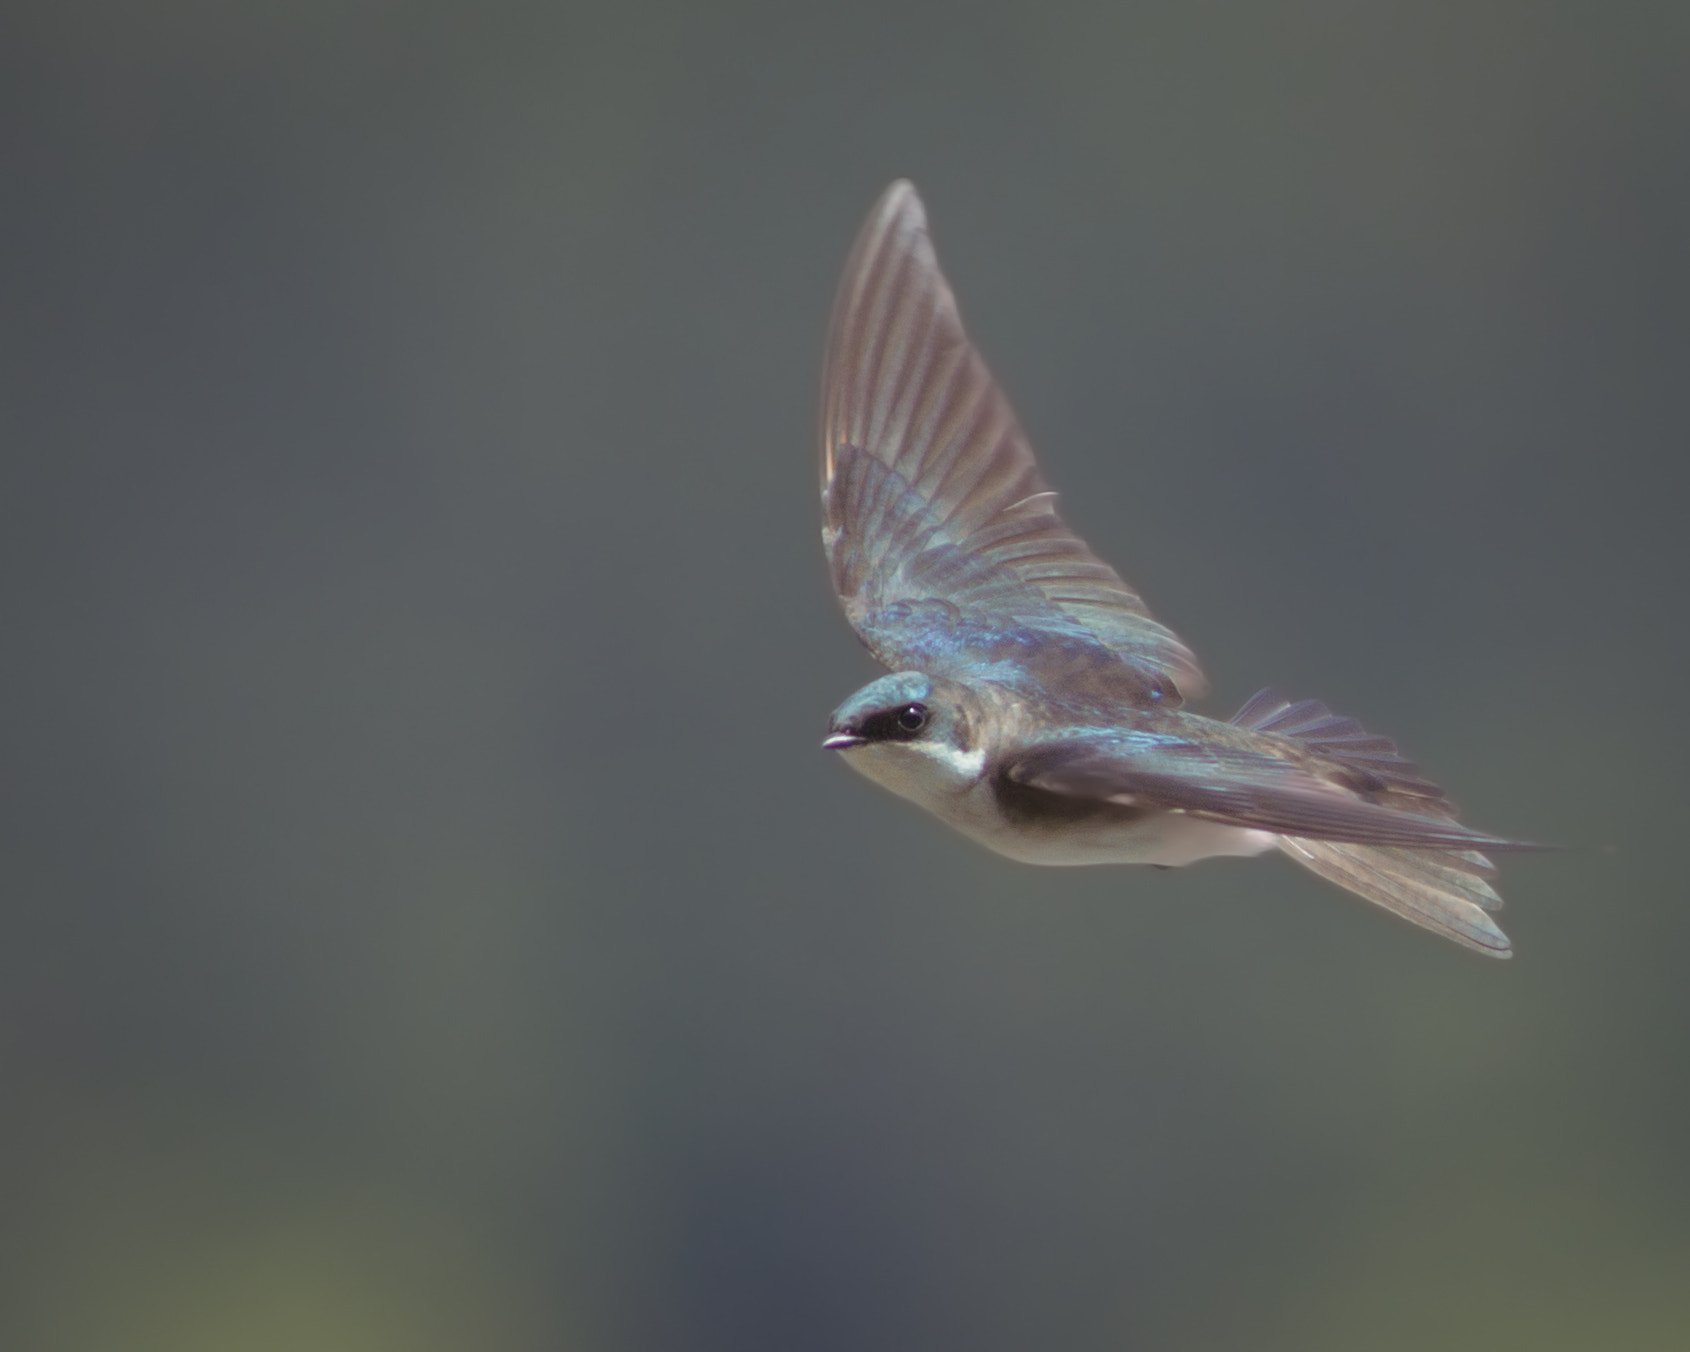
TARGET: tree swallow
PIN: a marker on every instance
(1034, 703)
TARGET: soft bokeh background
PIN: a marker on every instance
(429, 921)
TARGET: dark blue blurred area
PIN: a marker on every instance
(430, 921)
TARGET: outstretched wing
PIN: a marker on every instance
(1235, 786)
(945, 545)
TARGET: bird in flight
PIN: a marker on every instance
(1034, 704)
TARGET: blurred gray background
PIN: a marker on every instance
(429, 921)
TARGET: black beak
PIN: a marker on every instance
(841, 741)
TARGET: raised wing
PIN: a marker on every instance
(945, 545)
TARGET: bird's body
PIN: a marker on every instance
(1034, 704)
(970, 790)
(1033, 827)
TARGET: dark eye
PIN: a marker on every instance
(912, 717)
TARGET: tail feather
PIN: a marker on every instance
(1445, 891)
(1441, 890)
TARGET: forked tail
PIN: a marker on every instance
(1445, 891)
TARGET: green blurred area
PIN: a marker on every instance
(430, 922)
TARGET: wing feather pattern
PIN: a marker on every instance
(1236, 787)
(946, 548)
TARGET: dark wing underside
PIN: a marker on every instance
(1233, 786)
(943, 537)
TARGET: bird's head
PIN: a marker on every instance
(916, 734)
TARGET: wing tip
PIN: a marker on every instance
(897, 214)
(900, 198)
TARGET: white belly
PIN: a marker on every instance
(1170, 839)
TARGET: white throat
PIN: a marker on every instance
(924, 772)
